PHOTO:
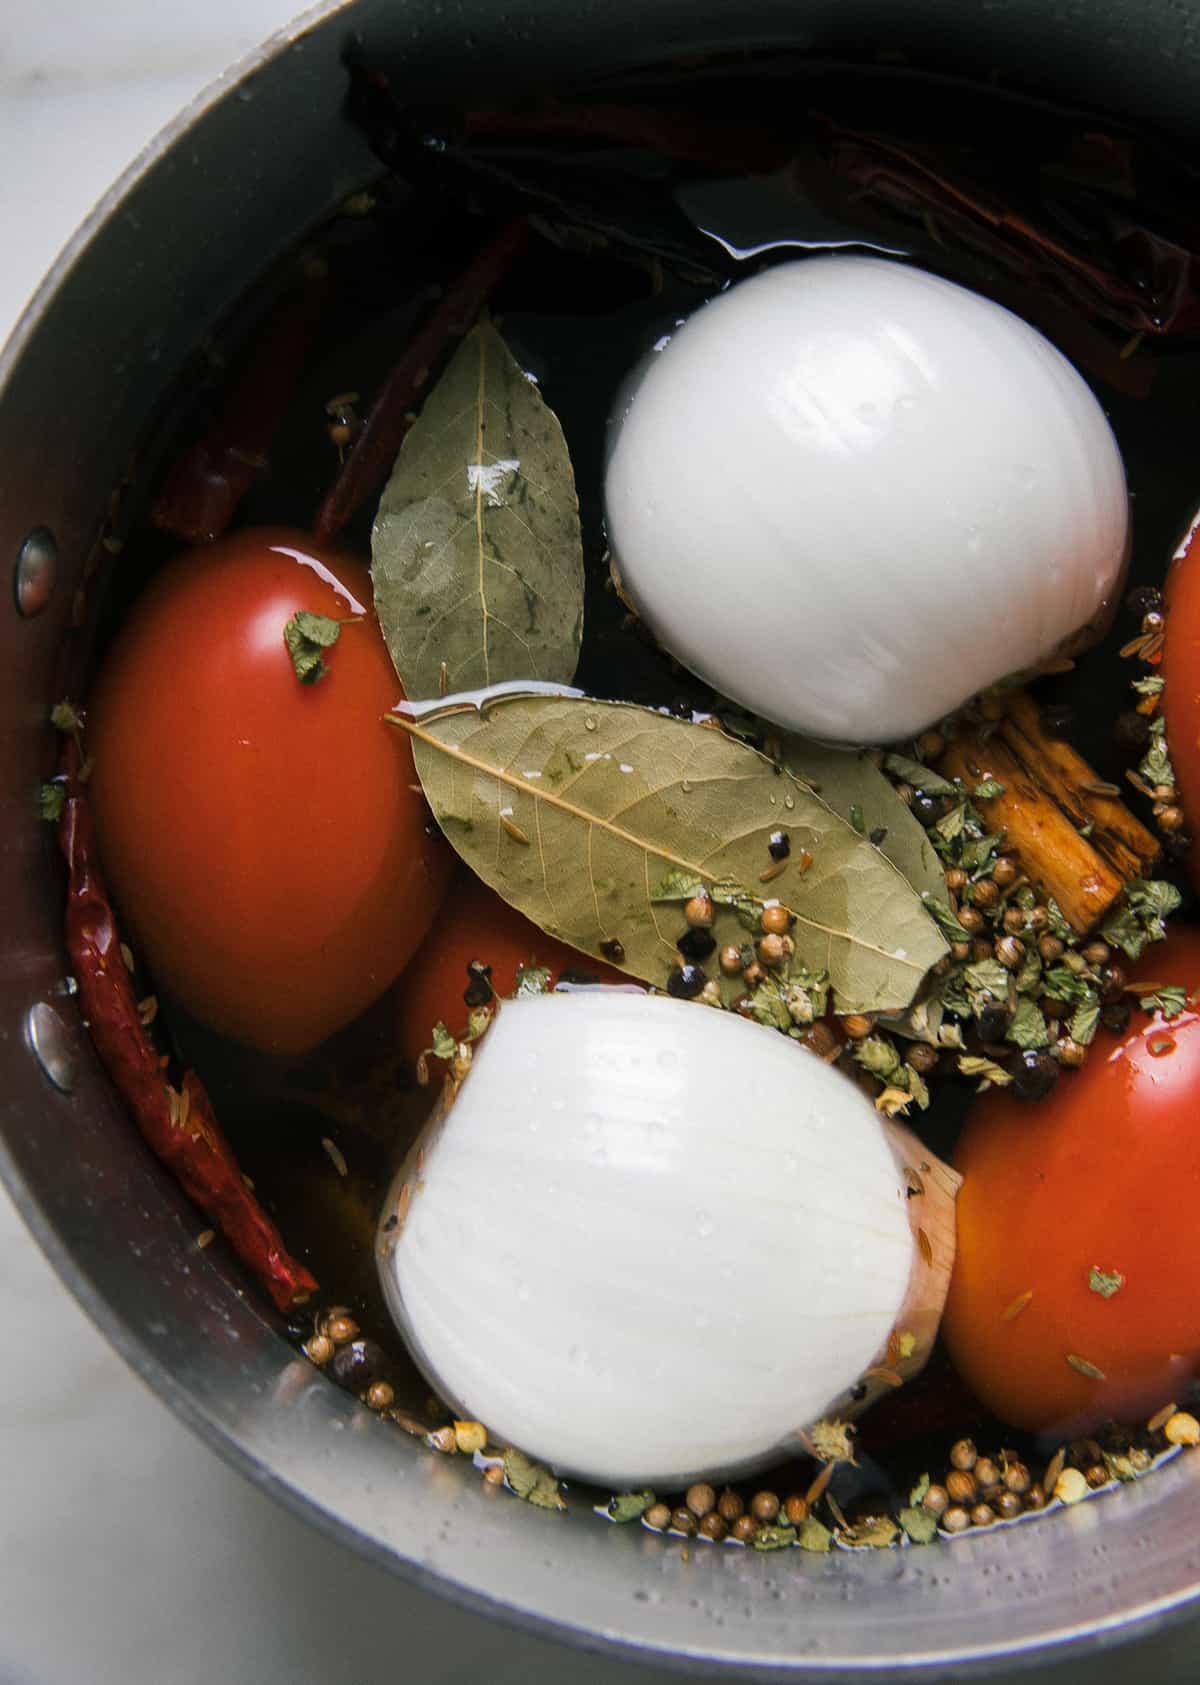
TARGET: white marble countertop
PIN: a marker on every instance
(128, 1552)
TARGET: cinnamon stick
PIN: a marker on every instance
(1056, 859)
(1130, 849)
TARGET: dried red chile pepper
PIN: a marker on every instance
(178, 1124)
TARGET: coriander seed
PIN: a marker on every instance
(493, 1475)
(1182, 1429)
(936, 1500)
(776, 920)
(1097, 954)
(971, 919)
(712, 1527)
(956, 1519)
(380, 1396)
(1017, 1478)
(1171, 819)
(730, 960)
(341, 1329)
(1112, 982)
(956, 879)
(987, 1473)
(319, 1349)
(1035, 1498)
(683, 1521)
(963, 1454)
(985, 894)
(982, 1515)
(1007, 1505)
(922, 1057)
(753, 975)
(1010, 952)
(1005, 871)
(981, 949)
(856, 1025)
(1050, 949)
(699, 911)
(960, 951)
(1096, 1476)
(1038, 919)
(657, 1516)
(961, 1486)
(764, 1506)
(1071, 1053)
(730, 1505)
(744, 1528)
(771, 951)
(795, 1510)
(701, 1499)
(1014, 920)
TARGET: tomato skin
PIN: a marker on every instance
(1181, 671)
(477, 924)
(1106, 1173)
(262, 837)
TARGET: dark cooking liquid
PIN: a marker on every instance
(578, 320)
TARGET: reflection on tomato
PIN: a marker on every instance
(1103, 1176)
(262, 837)
(1181, 671)
(476, 924)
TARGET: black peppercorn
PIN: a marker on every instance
(478, 991)
(1034, 1074)
(1114, 1015)
(1144, 599)
(992, 1020)
(613, 950)
(356, 1365)
(878, 836)
(686, 981)
(1132, 732)
(779, 845)
(697, 944)
(928, 809)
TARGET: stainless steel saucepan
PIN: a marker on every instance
(238, 179)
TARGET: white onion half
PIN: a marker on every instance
(851, 494)
(648, 1240)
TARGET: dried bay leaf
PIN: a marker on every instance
(846, 780)
(577, 812)
(477, 561)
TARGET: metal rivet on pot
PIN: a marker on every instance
(52, 1045)
(36, 571)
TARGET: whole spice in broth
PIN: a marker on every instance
(178, 1124)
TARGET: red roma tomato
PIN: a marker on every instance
(477, 924)
(1102, 1177)
(261, 836)
(1181, 671)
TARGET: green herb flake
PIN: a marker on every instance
(1120, 1465)
(920, 1491)
(1140, 917)
(1058, 925)
(990, 1074)
(855, 817)
(1105, 1282)
(65, 717)
(814, 1535)
(875, 1532)
(989, 789)
(531, 1482)
(1152, 686)
(878, 1055)
(920, 777)
(1170, 1000)
(1155, 766)
(1082, 1367)
(1027, 1027)
(51, 800)
(919, 1524)
(912, 1079)
(532, 980)
(1029, 973)
(677, 886)
(1085, 1021)
(774, 1538)
(627, 1506)
(307, 637)
(945, 920)
(952, 824)
(443, 1045)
